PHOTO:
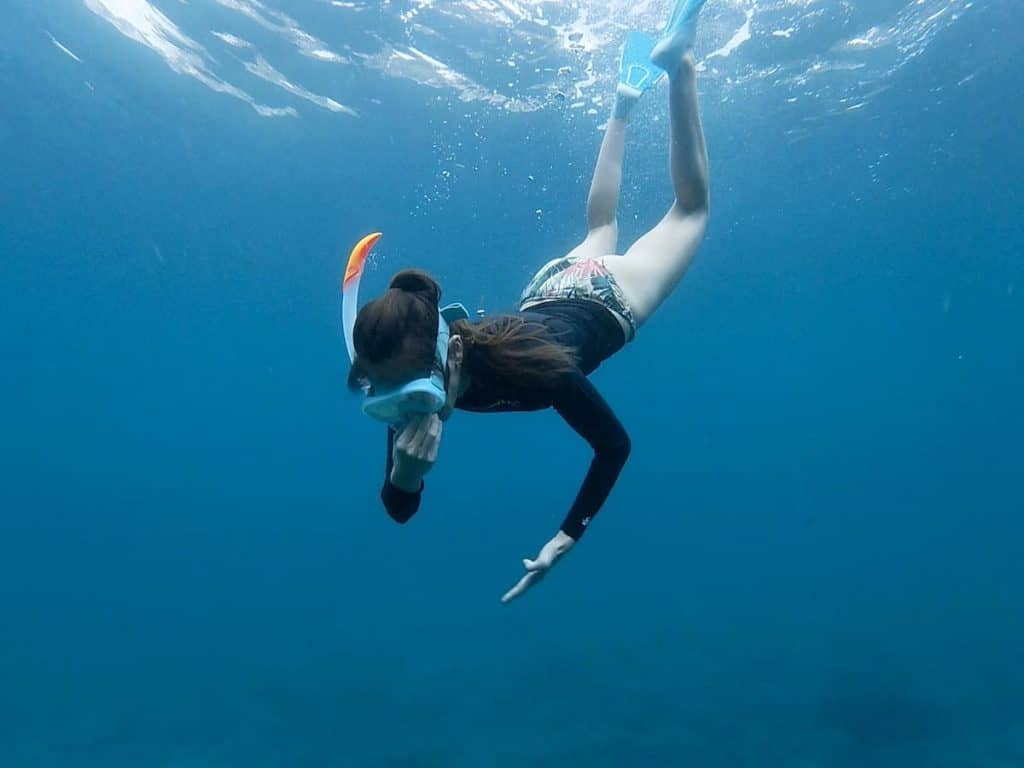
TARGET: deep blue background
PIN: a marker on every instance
(814, 556)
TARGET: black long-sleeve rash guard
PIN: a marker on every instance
(596, 335)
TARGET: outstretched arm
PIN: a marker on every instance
(583, 408)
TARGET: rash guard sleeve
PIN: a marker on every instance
(400, 505)
(581, 405)
(577, 401)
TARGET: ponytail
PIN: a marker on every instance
(509, 347)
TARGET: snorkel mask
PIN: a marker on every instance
(423, 395)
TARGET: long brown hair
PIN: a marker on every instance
(399, 329)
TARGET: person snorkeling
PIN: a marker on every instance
(416, 362)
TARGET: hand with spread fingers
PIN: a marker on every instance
(537, 569)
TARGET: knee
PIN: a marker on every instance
(693, 213)
(602, 238)
(696, 204)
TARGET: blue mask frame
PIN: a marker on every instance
(422, 395)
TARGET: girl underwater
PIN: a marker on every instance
(416, 362)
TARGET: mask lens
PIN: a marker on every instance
(418, 402)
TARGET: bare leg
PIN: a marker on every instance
(602, 227)
(654, 264)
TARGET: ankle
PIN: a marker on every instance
(686, 67)
(623, 106)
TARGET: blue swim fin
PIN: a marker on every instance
(684, 12)
(679, 34)
(636, 72)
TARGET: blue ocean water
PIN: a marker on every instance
(814, 556)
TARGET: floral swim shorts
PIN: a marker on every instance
(574, 277)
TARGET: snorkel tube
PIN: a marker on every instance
(350, 288)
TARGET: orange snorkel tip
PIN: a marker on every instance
(350, 288)
(357, 259)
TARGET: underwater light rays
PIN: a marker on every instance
(140, 21)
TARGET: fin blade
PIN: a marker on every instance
(635, 68)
